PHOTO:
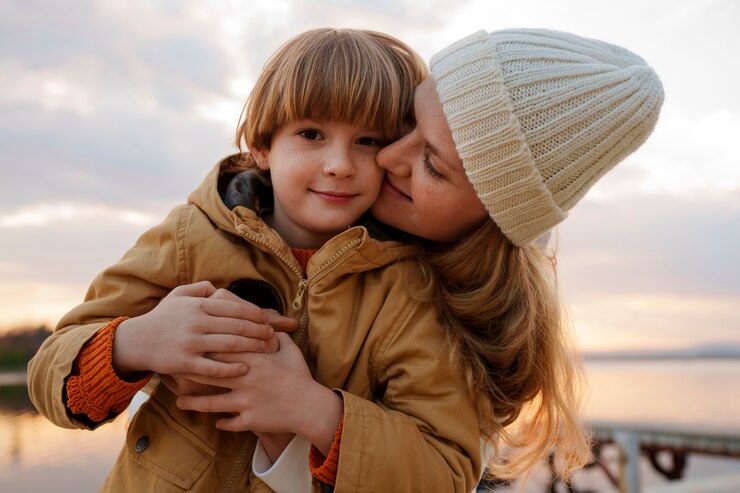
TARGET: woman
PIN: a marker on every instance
(513, 128)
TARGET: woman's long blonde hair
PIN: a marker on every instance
(500, 305)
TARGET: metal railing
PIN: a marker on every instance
(635, 440)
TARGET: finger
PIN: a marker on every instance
(225, 294)
(219, 403)
(210, 368)
(201, 289)
(179, 386)
(229, 343)
(244, 358)
(235, 423)
(280, 322)
(238, 327)
(235, 309)
(271, 345)
(186, 386)
(222, 383)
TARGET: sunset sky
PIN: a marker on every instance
(111, 112)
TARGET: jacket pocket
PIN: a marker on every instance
(163, 446)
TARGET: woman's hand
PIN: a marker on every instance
(182, 385)
(189, 322)
(276, 395)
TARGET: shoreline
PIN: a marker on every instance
(13, 377)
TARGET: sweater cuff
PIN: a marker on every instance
(96, 390)
(323, 468)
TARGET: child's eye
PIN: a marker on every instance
(370, 141)
(310, 134)
(430, 169)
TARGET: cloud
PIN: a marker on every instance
(26, 304)
(69, 248)
(653, 244)
(685, 156)
(44, 214)
(654, 321)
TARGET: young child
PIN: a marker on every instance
(320, 111)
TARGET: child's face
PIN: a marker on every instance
(324, 177)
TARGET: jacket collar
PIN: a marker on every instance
(238, 185)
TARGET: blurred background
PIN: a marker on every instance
(112, 112)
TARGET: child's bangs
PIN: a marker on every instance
(362, 78)
(350, 84)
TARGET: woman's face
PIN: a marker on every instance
(425, 191)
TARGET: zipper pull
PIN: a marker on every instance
(298, 301)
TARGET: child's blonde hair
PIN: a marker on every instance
(351, 76)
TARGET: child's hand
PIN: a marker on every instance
(174, 337)
(181, 385)
(274, 319)
(276, 395)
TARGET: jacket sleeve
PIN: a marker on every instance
(131, 287)
(421, 432)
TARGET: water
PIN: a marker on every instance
(697, 393)
(36, 456)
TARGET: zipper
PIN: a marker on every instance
(303, 281)
(339, 253)
(291, 262)
(300, 337)
(298, 300)
(241, 459)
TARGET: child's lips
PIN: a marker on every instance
(393, 190)
(335, 197)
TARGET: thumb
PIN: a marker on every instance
(279, 322)
(201, 289)
(284, 340)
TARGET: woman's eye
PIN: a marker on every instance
(430, 169)
(310, 134)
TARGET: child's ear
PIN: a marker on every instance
(261, 158)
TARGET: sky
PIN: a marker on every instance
(112, 112)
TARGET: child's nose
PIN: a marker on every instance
(339, 163)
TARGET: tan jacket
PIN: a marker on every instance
(409, 423)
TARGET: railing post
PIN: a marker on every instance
(629, 461)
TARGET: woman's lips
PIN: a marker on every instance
(391, 189)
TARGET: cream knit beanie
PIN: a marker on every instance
(538, 116)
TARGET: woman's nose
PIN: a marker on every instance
(395, 157)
